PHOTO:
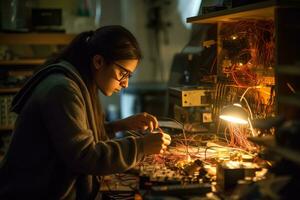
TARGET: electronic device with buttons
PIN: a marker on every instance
(192, 105)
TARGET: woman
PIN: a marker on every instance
(60, 145)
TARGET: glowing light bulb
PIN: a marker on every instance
(234, 37)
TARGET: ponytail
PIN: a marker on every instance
(112, 43)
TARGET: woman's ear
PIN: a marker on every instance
(98, 62)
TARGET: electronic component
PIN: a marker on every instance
(182, 190)
(230, 172)
(192, 104)
(190, 96)
(193, 167)
(157, 175)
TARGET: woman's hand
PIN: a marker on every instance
(156, 142)
(141, 121)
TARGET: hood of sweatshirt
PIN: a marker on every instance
(26, 91)
(71, 72)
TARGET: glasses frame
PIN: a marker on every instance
(127, 74)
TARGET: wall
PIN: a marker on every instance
(133, 14)
(157, 59)
(154, 67)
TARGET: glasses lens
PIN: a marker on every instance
(127, 75)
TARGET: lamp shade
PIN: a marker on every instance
(234, 113)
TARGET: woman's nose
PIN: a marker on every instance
(124, 83)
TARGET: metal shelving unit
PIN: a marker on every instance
(22, 67)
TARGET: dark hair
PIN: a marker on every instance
(112, 43)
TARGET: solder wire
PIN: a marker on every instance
(182, 128)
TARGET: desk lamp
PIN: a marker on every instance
(237, 114)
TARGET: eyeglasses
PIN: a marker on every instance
(126, 73)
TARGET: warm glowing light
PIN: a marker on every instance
(234, 37)
(234, 113)
(233, 119)
(189, 159)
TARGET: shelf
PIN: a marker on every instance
(270, 143)
(293, 70)
(293, 99)
(22, 62)
(259, 11)
(35, 38)
(6, 128)
(9, 90)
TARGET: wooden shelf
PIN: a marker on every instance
(23, 67)
(293, 70)
(259, 11)
(9, 90)
(290, 100)
(6, 128)
(270, 143)
(35, 38)
(22, 62)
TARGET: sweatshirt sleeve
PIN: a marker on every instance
(109, 130)
(64, 116)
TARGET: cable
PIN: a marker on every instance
(183, 131)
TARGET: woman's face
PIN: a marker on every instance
(111, 78)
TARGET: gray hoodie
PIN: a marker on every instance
(55, 152)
